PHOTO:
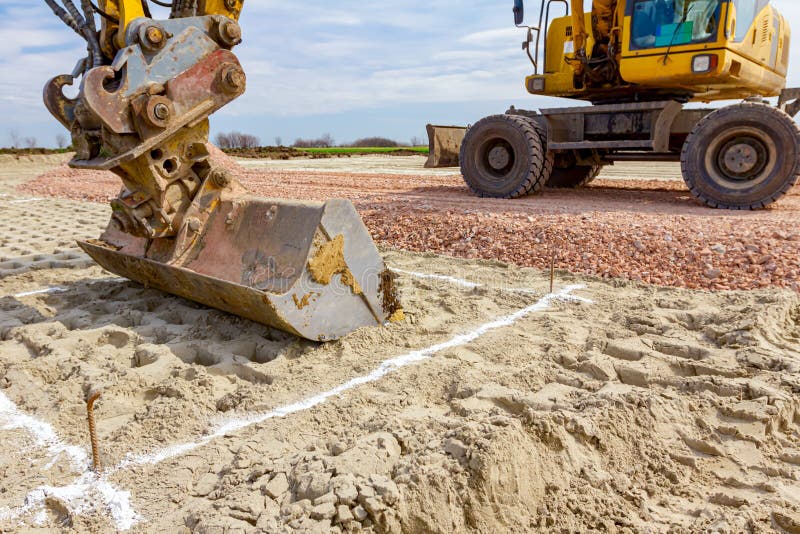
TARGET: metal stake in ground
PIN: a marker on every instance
(93, 396)
(552, 269)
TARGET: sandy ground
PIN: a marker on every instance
(611, 406)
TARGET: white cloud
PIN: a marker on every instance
(319, 59)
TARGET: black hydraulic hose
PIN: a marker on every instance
(88, 14)
(103, 14)
(183, 8)
(146, 9)
(162, 4)
(95, 54)
(64, 16)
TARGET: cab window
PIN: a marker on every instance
(746, 11)
(663, 23)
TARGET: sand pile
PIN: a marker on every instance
(644, 410)
(648, 409)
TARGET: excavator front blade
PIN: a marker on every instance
(307, 268)
(444, 144)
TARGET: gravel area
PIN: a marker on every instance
(644, 230)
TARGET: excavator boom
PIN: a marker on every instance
(182, 225)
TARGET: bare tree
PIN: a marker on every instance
(278, 141)
(13, 134)
(371, 142)
(326, 141)
(417, 141)
(223, 140)
(236, 140)
(30, 142)
(61, 141)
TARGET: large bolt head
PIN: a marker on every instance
(158, 111)
(161, 111)
(230, 33)
(221, 178)
(233, 79)
(233, 32)
(194, 225)
(155, 35)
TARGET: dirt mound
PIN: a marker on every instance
(646, 409)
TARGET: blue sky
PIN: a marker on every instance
(345, 67)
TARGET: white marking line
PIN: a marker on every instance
(463, 283)
(385, 368)
(80, 496)
(24, 200)
(40, 292)
(11, 418)
(57, 289)
(448, 279)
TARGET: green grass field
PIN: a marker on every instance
(333, 151)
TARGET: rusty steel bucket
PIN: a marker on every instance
(444, 145)
(308, 268)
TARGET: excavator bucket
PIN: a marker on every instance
(183, 222)
(444, 144)
(308, 268)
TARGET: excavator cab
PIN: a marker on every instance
(639, 50)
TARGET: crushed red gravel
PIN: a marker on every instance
(650, 231)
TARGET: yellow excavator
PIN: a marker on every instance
(182, 224)
(638, 62)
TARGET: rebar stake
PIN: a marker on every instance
(93, 431)
(552, 270)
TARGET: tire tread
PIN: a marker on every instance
(734, 110)
(540, 161)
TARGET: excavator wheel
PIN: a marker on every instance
(504, 156)
(573, 177)
(742, 157)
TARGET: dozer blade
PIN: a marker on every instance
(444, 144)
(307, 268)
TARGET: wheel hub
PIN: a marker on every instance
(743, 158)
(499, 158)
(740, 158)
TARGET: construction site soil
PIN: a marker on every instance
(607, 406)
(621, 226)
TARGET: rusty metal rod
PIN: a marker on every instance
(93, 431)
(552, 270)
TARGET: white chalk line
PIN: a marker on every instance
(117, 502)
(59, 289)
(25, 200)
(443, 278)
(387, 367)
(44, 435)
(461, 282)
(40, 292)
(80, 496)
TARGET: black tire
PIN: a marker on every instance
(742, 157)
(504, 156)
(573, 177)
